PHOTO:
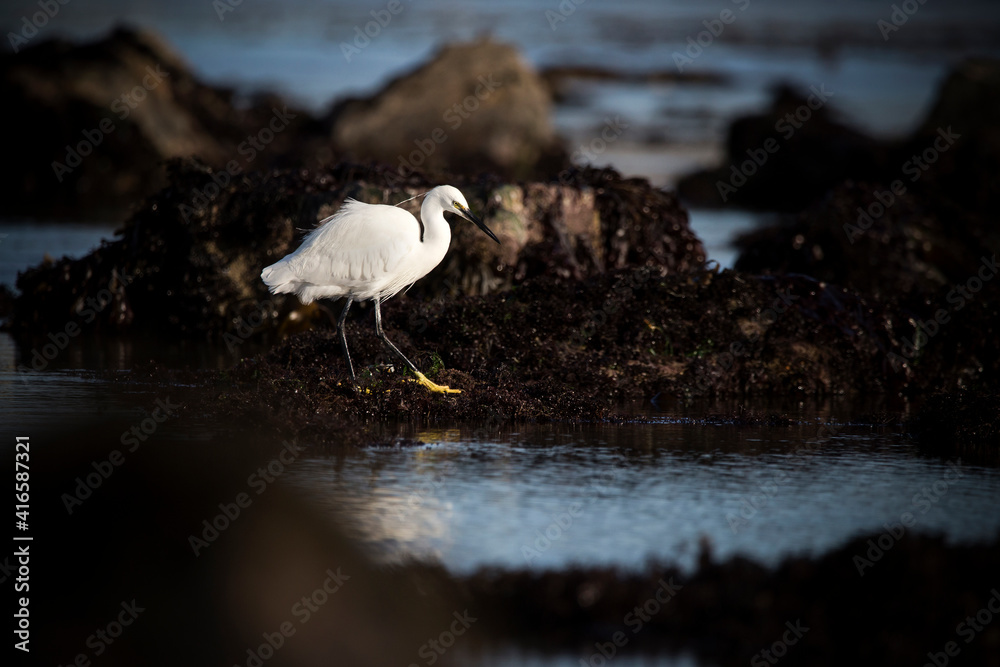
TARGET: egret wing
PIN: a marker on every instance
(360, 246)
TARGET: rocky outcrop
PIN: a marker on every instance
(96, 121)
(473, 108)
(789, 157)
(866, 237)
(958, 144)
(189, 261)
(921, 238)
(576, 350)
(786, 157)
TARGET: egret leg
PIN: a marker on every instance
(421, 378)
(343, 336)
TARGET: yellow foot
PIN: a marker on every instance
(437, 388)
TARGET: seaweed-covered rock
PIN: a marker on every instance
(866, 237)
(189, 260)
(552, 349)
(934, 265)
(474, 107)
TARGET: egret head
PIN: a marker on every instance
(451, 200)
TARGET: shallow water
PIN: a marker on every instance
(26, 243)
(548, 497)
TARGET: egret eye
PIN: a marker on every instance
(456, 205)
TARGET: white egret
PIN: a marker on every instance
(371, 252)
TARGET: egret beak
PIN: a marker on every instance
(473, 218)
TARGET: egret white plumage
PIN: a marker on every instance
(371, 252)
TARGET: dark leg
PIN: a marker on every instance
(343, 336)
(381, 334)
(421, 378)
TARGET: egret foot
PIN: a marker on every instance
(436, 388)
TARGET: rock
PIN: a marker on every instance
(574, 350)
(96, 121)
(953, 156)
(932, 264)
(785, 158)
(474, 107)
(189, 261)
(959, 140)
(867, 238)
